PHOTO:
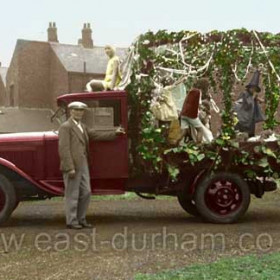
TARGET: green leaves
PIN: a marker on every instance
(229, 54)
(268, 151)
(194, 153)
(263, 162)
(173, 172)
(250, 173)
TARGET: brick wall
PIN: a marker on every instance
(2, 93)
(34, 72)
(58, 79)
(12, 81)
(36, 77)
(78, 81)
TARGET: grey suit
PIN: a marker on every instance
(74, 154)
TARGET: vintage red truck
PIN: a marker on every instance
(29, 168)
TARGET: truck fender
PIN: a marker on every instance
(9, 165)
(197, 178)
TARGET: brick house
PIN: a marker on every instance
(3, 72)
(41, 71)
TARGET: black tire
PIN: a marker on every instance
(187, 202)
(7, 199)
(222, 198)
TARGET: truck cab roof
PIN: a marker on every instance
(67, 98)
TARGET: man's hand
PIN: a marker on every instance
(120, 130)
(72, 174)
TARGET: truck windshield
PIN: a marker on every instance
(102, 113)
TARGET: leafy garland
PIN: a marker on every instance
(223, 57)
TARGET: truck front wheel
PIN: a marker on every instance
(222, 198)
(7, 199)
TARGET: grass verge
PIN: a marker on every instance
(241, 268)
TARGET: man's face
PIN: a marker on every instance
(77, 114)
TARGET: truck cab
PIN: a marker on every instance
(108, 159)
(29, 162)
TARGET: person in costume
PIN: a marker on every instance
(112, 76)
(247, 107)
(190, 121)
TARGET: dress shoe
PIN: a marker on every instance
(74, 226)
(86, 225)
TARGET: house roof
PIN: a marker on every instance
(3, 73)
(13, 119)
(76, 58)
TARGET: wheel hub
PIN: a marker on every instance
(223, 197)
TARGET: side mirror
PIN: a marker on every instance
(58, 114)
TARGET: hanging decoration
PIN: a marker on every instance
(223, 57)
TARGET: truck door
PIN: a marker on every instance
(108, 159)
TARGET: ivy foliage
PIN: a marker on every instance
(223, 57)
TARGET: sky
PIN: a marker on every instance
(119, 22)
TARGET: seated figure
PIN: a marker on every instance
(190, 120)
(112, 76)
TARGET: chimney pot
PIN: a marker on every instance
(52, 32)
(86, 40)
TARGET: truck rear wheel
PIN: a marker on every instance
(187, 202)
(7, 199)
(222, 198)
(188, 205)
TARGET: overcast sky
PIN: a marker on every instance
(118, 22)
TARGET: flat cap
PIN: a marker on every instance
(77, 105)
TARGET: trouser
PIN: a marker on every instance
(77, 195)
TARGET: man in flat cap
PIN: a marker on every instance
(74, 151)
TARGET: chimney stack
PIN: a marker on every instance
(86, 40)
(52, 32)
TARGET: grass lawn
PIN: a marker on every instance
(241, 268)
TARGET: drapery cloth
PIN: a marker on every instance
(165, 108)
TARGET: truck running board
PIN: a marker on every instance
(145, 196)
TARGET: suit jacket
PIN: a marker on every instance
(73, 145)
